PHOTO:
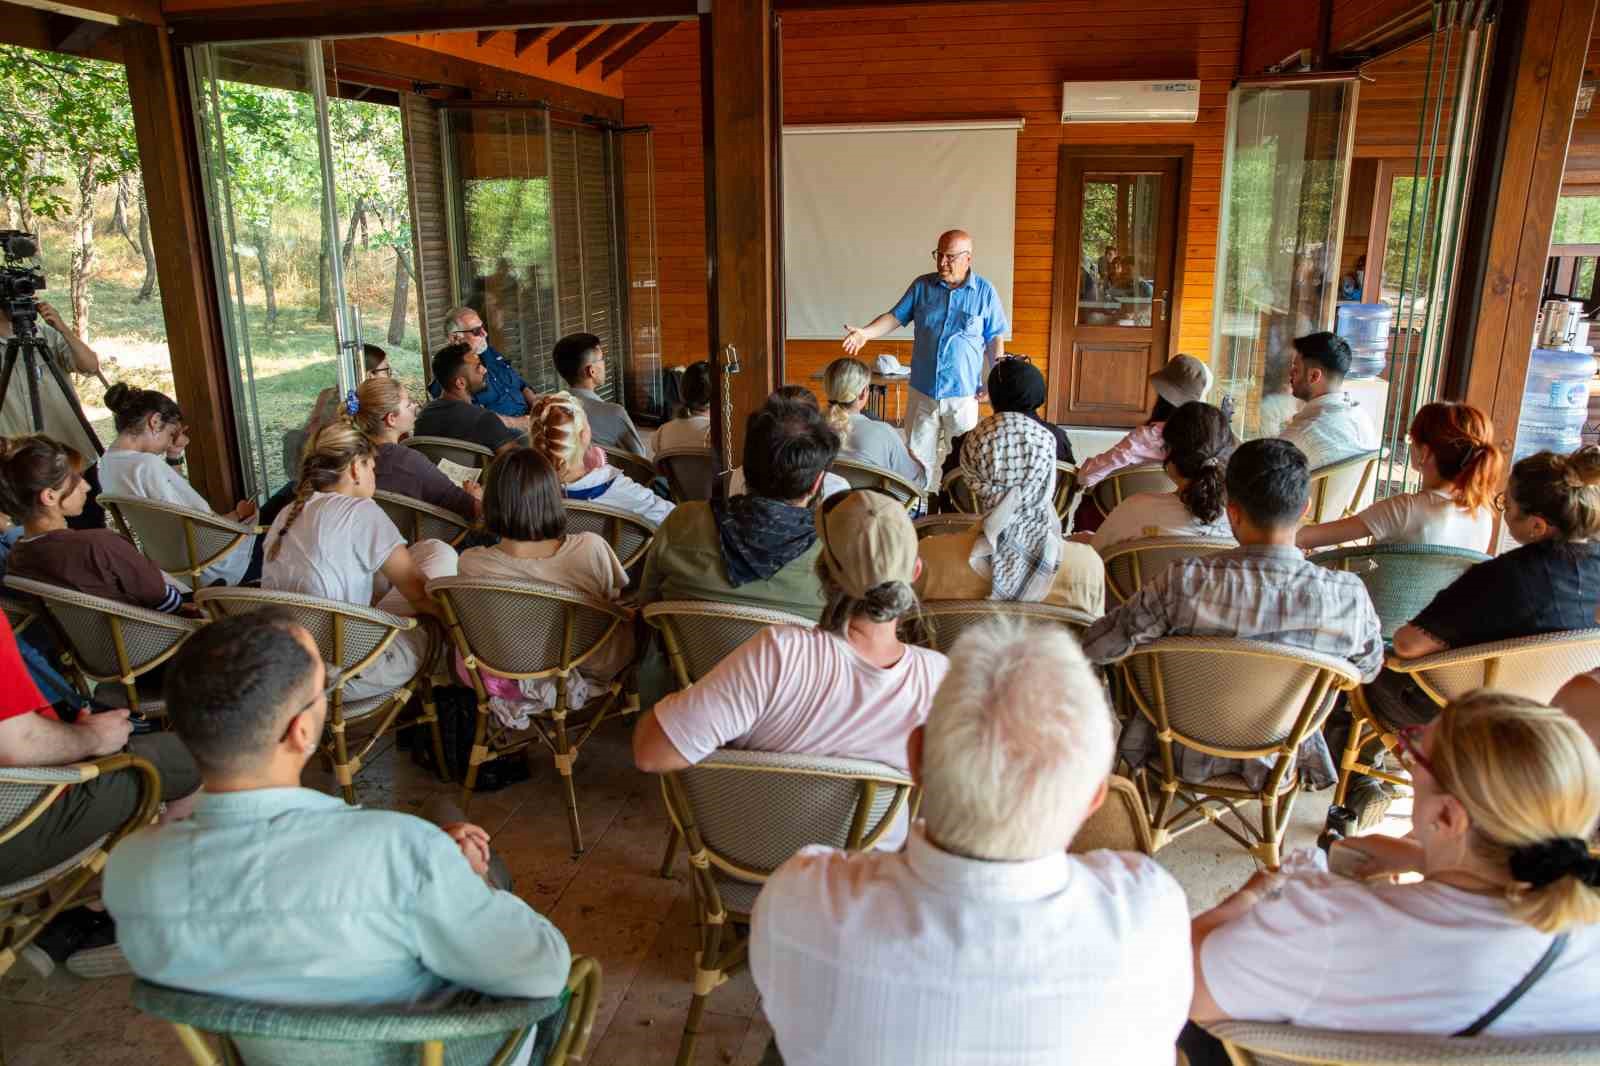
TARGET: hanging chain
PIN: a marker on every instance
(730, 366)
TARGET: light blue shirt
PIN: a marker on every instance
(952, 328)
(290, 896)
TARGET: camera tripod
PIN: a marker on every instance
(35, 357)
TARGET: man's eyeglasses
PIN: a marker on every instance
(951, 257)
(1409, 740)
(384, 370)
(475, 331)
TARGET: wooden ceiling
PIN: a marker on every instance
(612, 45)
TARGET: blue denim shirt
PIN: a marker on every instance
(952, 328)
(286, 895)
(503, 394)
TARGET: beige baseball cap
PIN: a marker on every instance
(867, 540)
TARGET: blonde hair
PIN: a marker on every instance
(843, 381)
(377, 399)
(327, 456)
(1017, 741)
(1529, 778)
(556, 424)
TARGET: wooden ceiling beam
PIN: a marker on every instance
(485, 36)
(567, 40)
(526, 37)
(604, 42)
(368, 18)
(633, 46)
(75, 36)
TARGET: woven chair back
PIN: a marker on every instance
(959, 493)
(93, 627)
(948, 619)
(464, 452)
(701, 634)
(1066, 489)
(419, 521)
(1534, 667)
(523, 628)
(628, 534)
(1263, 1044)
(1232, 697)
(346, 636)
(634, 466)
(1402, 579)
(1337, 488)
(935, 525)
(162, 532)
(1133, 562)
(1114, 488)
(866, 476)
(1120, 824)
(19, 613)
(691, 473)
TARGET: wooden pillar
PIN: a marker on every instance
(1540, 48)
(163, 123)
(736, 58)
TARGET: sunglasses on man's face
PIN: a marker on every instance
(475, 331)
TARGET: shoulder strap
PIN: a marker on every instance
(1540, 968)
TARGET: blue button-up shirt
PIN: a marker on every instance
(503, 391)
(953, 326)
(285, 895)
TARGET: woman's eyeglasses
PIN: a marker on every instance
(1409, 740)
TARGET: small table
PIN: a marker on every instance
(878, 395)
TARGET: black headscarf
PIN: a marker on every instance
(760, 536)
(1016, 385)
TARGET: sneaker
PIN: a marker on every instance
(98, 955)
(1369, 798)
(57, 941)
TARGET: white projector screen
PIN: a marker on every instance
(863, 206)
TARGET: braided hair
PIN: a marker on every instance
(556, 429)
(327, 456)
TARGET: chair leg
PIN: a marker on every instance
(564, 758)
(430, 712)
(704, 981)
(341, 763)
(1351, 756)
(673, 838)
(479, 753)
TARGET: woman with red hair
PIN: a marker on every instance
(1453, 449)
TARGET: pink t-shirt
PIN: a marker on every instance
(1143, 444)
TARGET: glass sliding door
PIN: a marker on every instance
(635, 151)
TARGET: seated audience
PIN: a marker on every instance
(522, 506)
(148, 425)
(846, 688)
(1016, 385)
(1198, 443)
(1453, 449)
(581, 362)
(300, 898)
(330, 406)
(1331, 425)
(983, 941)
(692, 428)
(1016, 551)
(42, 483)
(758, 548)
(862, 439)
(31, 734)
(560, 432)
(335, 542)
(387, 414)
(504, 392)
(460, 375)
(781, 400)
(1507, 794)
(1262, 590)
(1184, 379)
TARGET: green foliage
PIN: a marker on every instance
(1577, 220)
(508, 222)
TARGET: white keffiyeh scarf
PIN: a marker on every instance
(1009, 461)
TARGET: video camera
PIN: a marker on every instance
(19, 281)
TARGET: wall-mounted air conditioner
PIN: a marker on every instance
(1130, 101)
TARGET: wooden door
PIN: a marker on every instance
(1114, 316)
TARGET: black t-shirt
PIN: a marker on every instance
(464, 421)
(1547, 587)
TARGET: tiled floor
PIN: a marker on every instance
(610, 904)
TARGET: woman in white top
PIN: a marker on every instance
(1197, 442)
(693, 428)
(1507, 793)
(335, 542)
(149, 426)
(1453, 449)
(847, 382)
(522, 506)
(559, 431)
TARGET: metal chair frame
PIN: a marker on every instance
(124, 511)
(666, 468)
(410, 515)
(490, 739)
(612, 521)
(376, 721)
(465, 452)
(864, 475)
(634, 466)
(1126, 572)
(1323, 476)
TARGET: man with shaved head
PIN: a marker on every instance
(960, 330)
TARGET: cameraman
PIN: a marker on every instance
(61, 412)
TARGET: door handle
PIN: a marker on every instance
(1162, 300)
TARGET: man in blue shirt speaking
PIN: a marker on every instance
(960, 334)
(506, 394)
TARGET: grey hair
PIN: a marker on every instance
(453, 317)
(887, 602)
(1017, 741)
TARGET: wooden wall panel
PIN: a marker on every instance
(945, 61)
(1354, 19)
(1392, 110)
(1275, 28)
(1582, 176)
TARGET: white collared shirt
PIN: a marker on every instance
(1334, 426)
(921, 956)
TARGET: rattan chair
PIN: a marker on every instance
(1266, 1044)
(418, 520)
(19, 613)
(464, 452)
(948, 619)
(634, 466)
(744, 813)
(959, 493)
(1121, 824)
(691, 473)
(111, 644)
(1233, 698)
(220, 1031)
(935, 525)
(1337, 488)
(350, 639)
(1402, 579)
(1116, 487)
(629, 534)
(699, 634)
(1534, 667)
(29, 904)
(180, 541)
(1133, 562)
(866, 476)
(528, 630)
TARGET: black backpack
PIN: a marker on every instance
(458, 712)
